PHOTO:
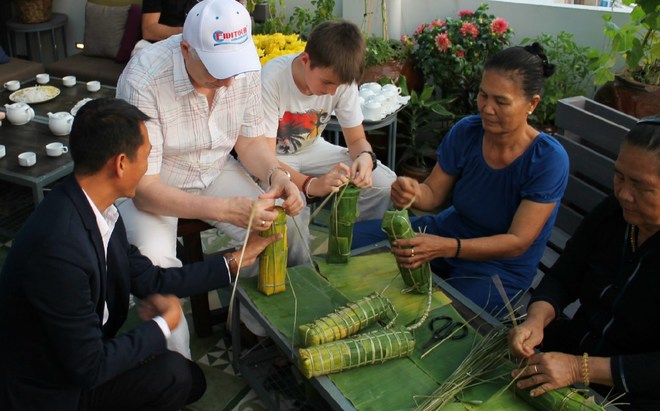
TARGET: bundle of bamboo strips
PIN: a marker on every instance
(273, 260)
(396, 225)
(375, 347)
(487, 354)
(346, 320)
(342, 218)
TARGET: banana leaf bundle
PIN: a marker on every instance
(396, 224)
(346, 320)
(563, 399)
(272, 261)
(342, 218)
(374, 347)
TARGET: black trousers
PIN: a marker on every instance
(165, 382)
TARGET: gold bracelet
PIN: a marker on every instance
(585, 369)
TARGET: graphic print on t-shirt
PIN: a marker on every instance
(296, 130)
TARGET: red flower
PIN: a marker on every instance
(460, 53)
(442, 42)
(437, 23)
(499, 26)
(420, 29)
(465, 13)
(469, 28)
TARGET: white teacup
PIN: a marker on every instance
(69, 81)
(366, 94)
(378, 98)
(12, 85)
(375, 87)
(56, 149)
(27, 159)
(60, 123)
(43, 78)
(391, 98)
(3, 151)
(93, 86)
(372, 110)
(391, 87)
(19, 113)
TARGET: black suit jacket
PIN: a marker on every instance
(53, 287)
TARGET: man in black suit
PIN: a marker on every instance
(64, 288)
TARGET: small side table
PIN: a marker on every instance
(389, 121)
(56, 22)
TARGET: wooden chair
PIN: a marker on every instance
(191, 251)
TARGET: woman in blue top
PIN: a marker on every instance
(507, 180)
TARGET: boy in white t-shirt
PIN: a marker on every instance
(300, 93)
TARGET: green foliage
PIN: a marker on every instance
(571, 77)
(636, 44)
(451, 53)
(422, 122)
(380, 51)
(276, 23)
(302, 20)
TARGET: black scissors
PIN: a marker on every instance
(448, 328)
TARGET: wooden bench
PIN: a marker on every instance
(591, 133)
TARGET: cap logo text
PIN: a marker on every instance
(230, 37)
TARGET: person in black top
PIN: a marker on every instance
(163, 18)
(611, 265)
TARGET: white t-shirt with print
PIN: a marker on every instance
(296, 119)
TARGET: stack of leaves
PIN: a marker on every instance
(342, 218)
(397, 226)
(375, 347)
(273, 260)
(346, 320)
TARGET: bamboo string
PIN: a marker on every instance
(507, 303)
(240, 264)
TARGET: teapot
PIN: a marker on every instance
(60, 123)
(19, 113)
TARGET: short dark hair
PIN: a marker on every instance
(645, 134)
(528, 65)
(339, 45)
(102, 129)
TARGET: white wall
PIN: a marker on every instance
(75, 26)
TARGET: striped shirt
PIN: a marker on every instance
(190, 143)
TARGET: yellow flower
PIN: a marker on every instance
(270, 46)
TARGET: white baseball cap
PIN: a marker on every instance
(221, 33)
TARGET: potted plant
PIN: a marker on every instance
(383, 60)
(571, 77)
(302, 19)
(635, 89)
(274, 45)
(450, 53)
(421, 124)
(267, 18)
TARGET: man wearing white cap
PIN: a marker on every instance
(202, 91)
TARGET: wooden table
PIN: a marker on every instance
(32, 136)
(65, 101)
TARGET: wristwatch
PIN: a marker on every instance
(373, 158)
